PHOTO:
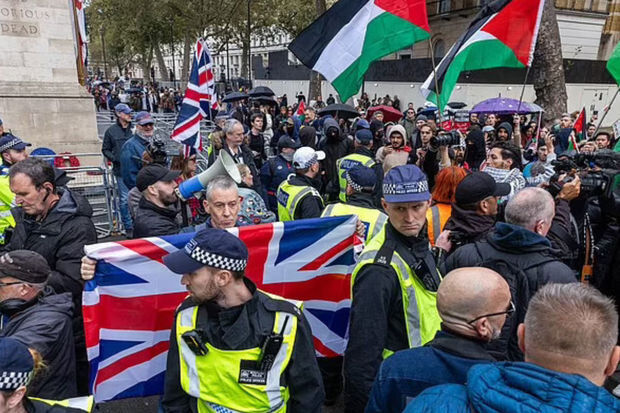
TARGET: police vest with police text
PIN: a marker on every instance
(290, 196)
(7, 201)
(347, 162)
(231, 380)
(419, 304)
(373, 219)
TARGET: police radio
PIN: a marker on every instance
(270, 348)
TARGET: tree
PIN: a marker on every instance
(547, 68)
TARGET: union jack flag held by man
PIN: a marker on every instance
(197, 100)
(129, 306)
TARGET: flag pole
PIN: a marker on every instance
(600, 122)
(527, 73)
(437, 93)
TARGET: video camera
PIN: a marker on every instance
(445, 138)
(597, 171)
(157, 150)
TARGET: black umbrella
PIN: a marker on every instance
(260, 91)
(340, 110)
(234, 96)
(266, 100)
(457, 105)
(132, 90)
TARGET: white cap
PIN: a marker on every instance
(305, 157)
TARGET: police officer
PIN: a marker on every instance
(362, 155)
(393, 286)
(13, 150)
(361, 182)
(277, 169)
(298, 196)
(18, 369)
(232, 346)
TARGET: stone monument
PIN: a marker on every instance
(41, 100)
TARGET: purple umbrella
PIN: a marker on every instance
(505, 106)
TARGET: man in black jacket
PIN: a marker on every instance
(521, 253)
(335, 145)
(113, 140)
(39, 319)
(56, 223)
(156, 213)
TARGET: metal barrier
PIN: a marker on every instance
(98, 185)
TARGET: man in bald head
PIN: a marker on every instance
(473, 303)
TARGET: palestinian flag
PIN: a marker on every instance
(613, 64)
(343, 42)
(503, 34)
(580, 128)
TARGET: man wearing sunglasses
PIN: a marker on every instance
(132, 150)
(473, 304)
(34, 315)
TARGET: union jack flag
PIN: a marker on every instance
(129, 306)
(197, 100)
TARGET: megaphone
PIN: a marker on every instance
(224, 165)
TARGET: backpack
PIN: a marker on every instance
(521, 290)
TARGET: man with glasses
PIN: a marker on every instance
(518, 250)
(34, 315)
(134, 148)
(473, 304)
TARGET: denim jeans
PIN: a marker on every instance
(123, 193)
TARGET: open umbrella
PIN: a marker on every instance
(234, 96)
(457, 105)
(259, 91)
(132, 90)
(266, 100)
(390, 114)
(505, 106)
(340, 110)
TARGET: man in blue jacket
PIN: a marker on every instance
(569, 341)
(277, 169)
(132, 150)
(473, 304)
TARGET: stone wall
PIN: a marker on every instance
(40, 98)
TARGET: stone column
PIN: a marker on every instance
(41, 100)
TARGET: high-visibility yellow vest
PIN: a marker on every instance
(7, 201)
(79, 403)
(373, 219)
(436, 218)
(347, 162)
(419, 305)
(289, 196)
(227, 380)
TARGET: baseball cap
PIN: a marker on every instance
(488, 128)
(16, 364)
(477, 186)
(362, 124)
(305, 157)
(363, 136)
(405, 183)
(361, 178)
(10, 141)
(144, 118)
(150, 174)
(210, 247)
(25, 265)
(123, 108)
(287, 142)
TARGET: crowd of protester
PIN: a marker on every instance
(482, 237)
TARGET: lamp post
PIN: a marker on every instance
(174, 67)
(249, 48)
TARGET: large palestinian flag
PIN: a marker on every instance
(503, 34)
(343, 42)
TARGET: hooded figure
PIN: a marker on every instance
(508, 128)
(392, 155)
(475, 150)
(335, 145)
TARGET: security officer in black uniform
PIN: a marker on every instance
(232, 346)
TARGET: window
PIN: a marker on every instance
(444, 6)
(439, 49)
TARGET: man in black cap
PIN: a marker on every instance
(474, 212)
(156, 213)
(361, 182)
(32, 314)
(277, 169)
(394, 286)
(233, 347)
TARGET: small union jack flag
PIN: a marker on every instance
(197, 100)
(129, 306)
